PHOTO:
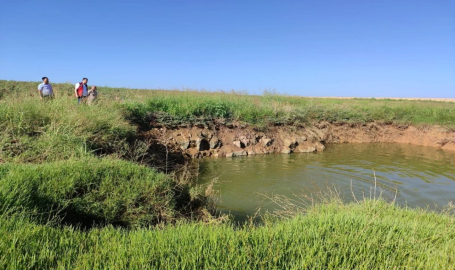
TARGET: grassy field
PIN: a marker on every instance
(79, 164)
(183, 107)
(366, 235)
(80, 189)
(33, 131)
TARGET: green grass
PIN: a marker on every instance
(34, 131)
(193, 107)
(189, 107)
(68, 181)
(368, 235)
(91, 191)
(56, 182)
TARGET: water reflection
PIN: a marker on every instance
(417, 175)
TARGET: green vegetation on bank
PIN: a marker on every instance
(193, 107)
(72, 194)
(92, 191)
(77, 164)
(366, 235)
(183, 107)
(34, 131)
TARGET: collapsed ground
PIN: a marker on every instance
(119, 166)
(222, 141)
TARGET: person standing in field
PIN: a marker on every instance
(92, 95)
(45, 89)
(81, 90)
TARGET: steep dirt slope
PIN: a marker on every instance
(239, 140)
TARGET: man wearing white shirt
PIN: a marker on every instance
(81, 90)
(45, 89)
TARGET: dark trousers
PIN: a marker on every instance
(81, 99)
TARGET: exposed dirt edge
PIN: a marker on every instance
(222, 141)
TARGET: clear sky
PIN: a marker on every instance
(387, 48)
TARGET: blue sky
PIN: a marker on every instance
(388, 48)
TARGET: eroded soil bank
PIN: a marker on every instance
(238, 140)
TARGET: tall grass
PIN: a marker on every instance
(99, 191)
(367, 235)
(183, 107)
(71, 184)
(186, 107)
(36, 131)
(89, 191)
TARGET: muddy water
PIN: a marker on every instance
(417, 176)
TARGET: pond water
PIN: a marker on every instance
(416, 176)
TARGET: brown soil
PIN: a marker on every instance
(435, 136)
(196, 142)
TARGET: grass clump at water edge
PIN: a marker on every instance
(90, 191)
